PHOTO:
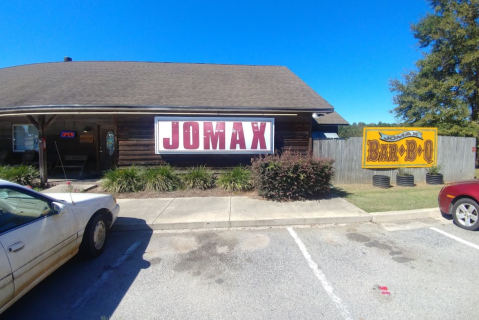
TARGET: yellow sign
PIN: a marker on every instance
(394, 147)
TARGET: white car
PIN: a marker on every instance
(39, 233)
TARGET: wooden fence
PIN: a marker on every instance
(455, 156)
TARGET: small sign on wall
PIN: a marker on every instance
(86, 138)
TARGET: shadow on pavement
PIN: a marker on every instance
(86, 288)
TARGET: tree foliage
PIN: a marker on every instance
(443, 91)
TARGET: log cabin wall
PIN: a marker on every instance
(136, 142)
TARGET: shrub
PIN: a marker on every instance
(161, 179)
(24, 175)
(199, 178)
(291, 175)
(236, 179)
(123, 180)
(402, 172)
(434, 170)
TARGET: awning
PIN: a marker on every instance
(324, 135)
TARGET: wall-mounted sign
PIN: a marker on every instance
(86, 138)
(399, 147)
(175, 135)
(67, 134)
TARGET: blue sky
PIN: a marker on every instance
(345, 50)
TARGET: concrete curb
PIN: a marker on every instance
(376, 217)
(392, 216)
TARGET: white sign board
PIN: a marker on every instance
(183, 135)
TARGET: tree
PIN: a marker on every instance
(443, 91)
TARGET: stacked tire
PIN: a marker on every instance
(434, 178)
(405, 181)
(381, 181)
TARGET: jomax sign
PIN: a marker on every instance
(393, 147)
(214, 135)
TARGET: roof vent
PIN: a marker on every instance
(67, 59)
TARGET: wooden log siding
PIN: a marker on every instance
(136, 142)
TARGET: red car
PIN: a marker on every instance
(461, 200)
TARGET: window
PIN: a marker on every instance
(18, 207)
(25, 137)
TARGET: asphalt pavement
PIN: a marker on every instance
(400, 270)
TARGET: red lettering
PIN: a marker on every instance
(383, 153)
(393, 153)
(214, 136)
(411, 147)
(175, 137)
(191, 135)
(258, 135)
(373, 150)
(237, 138)
(428, 151)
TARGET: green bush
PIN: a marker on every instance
(434, 170)
(124, 180)
(403, 172)
(24, 175)
(161, 179)
(236, 179)
(199, 178)
(291, 175)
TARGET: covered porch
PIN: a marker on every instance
(64, 146)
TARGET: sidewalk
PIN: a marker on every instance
(226, 212)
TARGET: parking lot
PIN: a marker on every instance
(413, 270)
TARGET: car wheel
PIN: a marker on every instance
(94, 239)
(466, 214)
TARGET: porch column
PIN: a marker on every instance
(41, 126)
(42, 151)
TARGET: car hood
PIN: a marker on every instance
(78, 198)
(474, 181)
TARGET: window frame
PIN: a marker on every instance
(13, 137)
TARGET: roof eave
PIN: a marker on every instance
(74, 109)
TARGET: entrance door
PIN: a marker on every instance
(107, 149)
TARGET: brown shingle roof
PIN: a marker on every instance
(330, 118)
(158, 86)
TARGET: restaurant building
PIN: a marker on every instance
(105, 114)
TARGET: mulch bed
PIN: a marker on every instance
(215, 192)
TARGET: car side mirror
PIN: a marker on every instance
(58, 208)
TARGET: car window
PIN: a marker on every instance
(18, 207)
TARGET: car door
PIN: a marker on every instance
(6, 279)
(36, 239)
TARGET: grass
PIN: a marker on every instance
(372, 199)
(476, 173)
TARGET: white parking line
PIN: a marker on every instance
(87, 295)
(475, 246)
(321, 276)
